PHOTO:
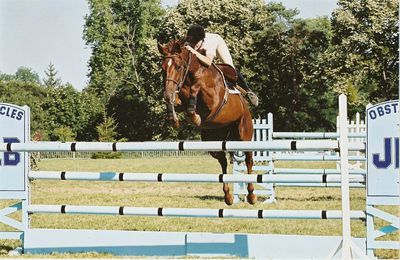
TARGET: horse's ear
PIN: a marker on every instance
(161, 49)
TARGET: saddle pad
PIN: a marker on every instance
(234, 91)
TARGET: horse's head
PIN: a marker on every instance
(175, 66)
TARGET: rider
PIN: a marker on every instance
(214, 45)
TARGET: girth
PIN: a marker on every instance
(215, 114)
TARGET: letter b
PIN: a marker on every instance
(11, 158)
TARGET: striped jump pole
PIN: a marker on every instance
(186, 177)
(320, 185)
(330, 158)
(275, 145)
(271, 170)
(314, 171)
(315, 135)
(192, 212)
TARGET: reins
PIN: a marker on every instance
(182, 79)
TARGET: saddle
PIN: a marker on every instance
(228, 73)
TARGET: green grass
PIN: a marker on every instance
(179, 195)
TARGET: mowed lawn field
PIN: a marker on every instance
(180, 195)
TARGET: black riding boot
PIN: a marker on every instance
(249, 93)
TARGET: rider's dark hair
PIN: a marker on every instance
(195, 34)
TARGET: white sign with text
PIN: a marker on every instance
(383, 155)
(14, 128)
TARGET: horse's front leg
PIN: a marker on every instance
(191, 113)
(251, 197)
(220, 156)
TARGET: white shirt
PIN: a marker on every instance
(214, 45)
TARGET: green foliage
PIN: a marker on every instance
(33, 95)
(124, 67)
(66, 107)
(54, 108)
(116, 30)
(52, 81)
(107, 130)
(364, 60)
(287, 73)
(64, 134)
(25, 74)
(107, 133)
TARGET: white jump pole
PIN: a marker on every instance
(285, 157)
(276, 145)
(314, 171)
(315, 135)
(192, 212)
(191, 177)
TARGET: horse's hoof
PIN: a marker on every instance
(194, 118)
(175, 124)
(229, 200)
(252, 198)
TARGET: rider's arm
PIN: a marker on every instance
(205, 60)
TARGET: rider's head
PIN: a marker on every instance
(195, 34)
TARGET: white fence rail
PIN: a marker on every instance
(264, 132)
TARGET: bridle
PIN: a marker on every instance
(179, 84)
(186, 66)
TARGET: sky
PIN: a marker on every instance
(35, 33)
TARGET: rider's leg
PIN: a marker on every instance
(250, 94)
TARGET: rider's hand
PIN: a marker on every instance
(189, 48)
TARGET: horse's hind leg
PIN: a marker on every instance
(251, 197)
(220, 156)
(245, 133)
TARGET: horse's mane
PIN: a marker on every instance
(175, 45)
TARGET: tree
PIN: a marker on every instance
(66, 107)
(33, 95)
(364, 60)
(52, 81)
(116, 30)
(286, 59)
(23, 74)
(107, 133)
(106, 130)
(123, 70)
(6, 77)
(64, 134)
(27, 75)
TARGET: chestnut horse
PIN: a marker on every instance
(224, 116)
